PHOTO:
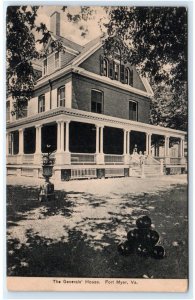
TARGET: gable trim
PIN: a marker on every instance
(111, 82)
(87, 54)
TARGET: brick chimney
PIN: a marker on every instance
(55, 23)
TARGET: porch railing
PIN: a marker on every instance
(175, 160)
(12, 159)
(151, 161)
(134, 160)
(82, 158)
(113, 159)
(28, 159)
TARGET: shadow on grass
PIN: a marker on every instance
(78, 257)
(22, 200)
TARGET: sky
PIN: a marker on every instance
(71, 30)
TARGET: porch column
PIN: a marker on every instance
(97, 139)
(101, 139)
(124, 141)
(62, 137)
(128, 141)
(37, 156)
(21, 141)
(58, 136)
(62, 157)
(167, 158)
(146, 143)
(149, 144)
(7, 143)
(166, 146)
(126, 147)
(181, 150)
(38, 139)
(67, 137)
(99, 145)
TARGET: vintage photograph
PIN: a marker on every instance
(97, 148)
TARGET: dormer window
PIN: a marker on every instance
(105, 67)
(128, 76)
(57, 60)
(61, 96)
(45, 67)
(116, 71)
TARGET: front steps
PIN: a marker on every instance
(152, 170)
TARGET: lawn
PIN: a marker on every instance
(77, 234)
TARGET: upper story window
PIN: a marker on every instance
(61, 96)
(45, 66)
(8, 110)
(116, 71)
(105, 67)
(97, 101)
(41, 103)
(128, 76)
(133, 111)
(57, 60)
(22, 113)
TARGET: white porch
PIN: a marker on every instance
(58, 122)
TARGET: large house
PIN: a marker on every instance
(93, 112)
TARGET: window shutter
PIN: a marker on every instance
(131, 77)
(101, 65)
(111, 69)
(122, 79)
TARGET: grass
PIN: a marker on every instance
(77, 234)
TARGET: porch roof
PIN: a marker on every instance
(68, 114)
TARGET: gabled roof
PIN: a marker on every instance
(83, 52)
(67, 43)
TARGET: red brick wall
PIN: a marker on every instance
(92, 64)
(116, 101)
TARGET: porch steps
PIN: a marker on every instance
(152, 170)
(135, 171)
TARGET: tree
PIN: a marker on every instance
(21, 51)
(154, 39)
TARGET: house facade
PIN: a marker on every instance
(93, 112)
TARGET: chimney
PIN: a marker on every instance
(55, 23)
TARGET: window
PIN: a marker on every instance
(13, 143)
(41, 103)
(9, 143)
(116, 71)
(45, 67)
(57, 60)
(128, 76)
(61, 96)
(7, 110)
(133, 110)
(22, 111)
(105, 67)
(96, 101)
